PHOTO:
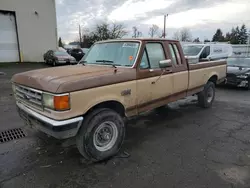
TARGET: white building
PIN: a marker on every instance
(28, 28)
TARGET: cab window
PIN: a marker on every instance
(177, 53)
(174, 59)
(144, 61)
(155, 54)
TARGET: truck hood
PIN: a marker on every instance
(72, 78)
(237, 70)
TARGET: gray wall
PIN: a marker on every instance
(37, 33)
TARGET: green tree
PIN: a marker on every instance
(227, 37)
(234, 39)
(218, 36)
(243, 34)
(60, 43)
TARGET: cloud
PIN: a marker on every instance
(195, 14)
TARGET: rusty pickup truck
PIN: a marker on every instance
(115, 80)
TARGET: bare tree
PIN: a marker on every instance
(108, 31)
(176, 35)
(102, 31)
(162, 34)
(117, 31)
(136, 32)
(183, 35)
(154, 30)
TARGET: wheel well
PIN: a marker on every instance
(213, 79)
(113, 105)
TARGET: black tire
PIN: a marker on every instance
(248, 86)
(54, 63)
(86, 135)
(204, 100)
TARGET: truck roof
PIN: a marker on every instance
(137, 39)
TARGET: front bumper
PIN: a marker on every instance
(239, 82)
(70, 61)
(58, 129)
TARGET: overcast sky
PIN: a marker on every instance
(202, 17)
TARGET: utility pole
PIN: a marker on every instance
(80, 36)
(164, 29)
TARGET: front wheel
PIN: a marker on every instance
(101, 135)
(206, 97)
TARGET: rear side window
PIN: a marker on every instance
(174, 60)
(177, 54)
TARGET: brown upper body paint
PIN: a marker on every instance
(90, 85)
(73, 78)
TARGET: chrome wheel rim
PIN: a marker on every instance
(210, 94)
(105, 136)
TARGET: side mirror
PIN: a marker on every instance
(165, 63)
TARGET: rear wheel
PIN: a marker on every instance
(101, 135)
(206, 97)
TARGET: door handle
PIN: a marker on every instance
(168, 71)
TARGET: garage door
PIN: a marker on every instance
(8, 38)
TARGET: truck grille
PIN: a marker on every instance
(30, 96)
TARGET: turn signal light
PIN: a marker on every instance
(61, 103)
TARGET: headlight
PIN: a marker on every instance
(56, 102)
(14, 88)
(242, 76)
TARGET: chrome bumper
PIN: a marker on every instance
(58, 129)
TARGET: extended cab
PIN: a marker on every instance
(116, 79)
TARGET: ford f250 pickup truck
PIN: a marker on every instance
(115, 80)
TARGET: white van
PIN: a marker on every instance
(207, 51)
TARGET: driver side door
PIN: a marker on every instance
(153, 85)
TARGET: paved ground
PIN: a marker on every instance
(180, 146)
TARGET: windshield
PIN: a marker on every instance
(61, 53)
(242, 62)
(116, 53)
(192, 50)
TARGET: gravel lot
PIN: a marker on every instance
(179, 146)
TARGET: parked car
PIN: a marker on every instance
(56, 57)
(207, 52)
(85, 50)
(238, 72)
(77, 53)
(117, 79)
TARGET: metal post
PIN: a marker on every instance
(80, 36)
(164, 29)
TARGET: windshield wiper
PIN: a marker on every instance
(107, 62)
(104, 61)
